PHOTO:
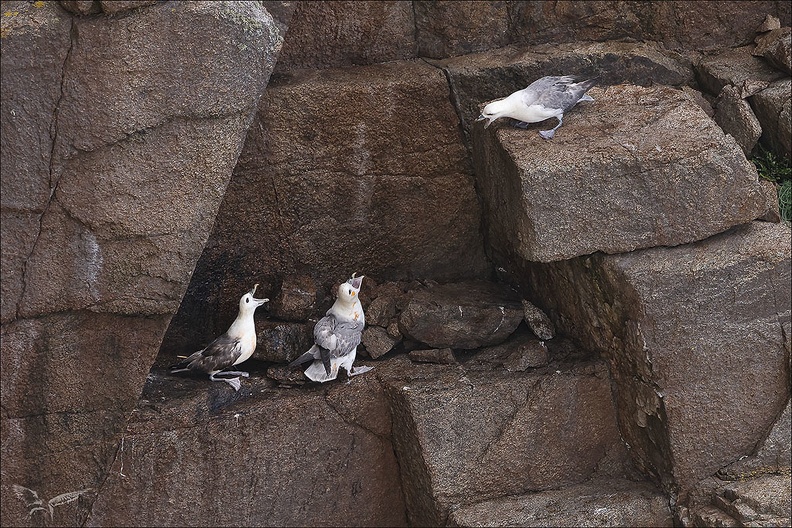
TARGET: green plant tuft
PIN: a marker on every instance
(777, 170)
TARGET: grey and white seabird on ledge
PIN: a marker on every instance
(542, 99)
(336, 336)
(231, 348)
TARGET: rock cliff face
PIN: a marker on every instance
(119, 135)
(604, 315)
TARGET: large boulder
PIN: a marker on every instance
(119, 136)
(466, 436)
(736, 67)
(345, 33)
(329, 183)
(639, 167)
(691, 332)
(776, 47)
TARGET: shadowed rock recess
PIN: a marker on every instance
(588, 331)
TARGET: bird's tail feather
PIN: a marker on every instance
(306, 357)
(316, 372)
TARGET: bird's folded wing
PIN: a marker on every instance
(348, 336)
(324, 332)
(221, 353)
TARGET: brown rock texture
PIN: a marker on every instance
(119, 136)
(260, 457)
(600, 502)
(461, 315)
(773, 108)
(645, 176)
(329, 184)
(675, 324)
(470, 436)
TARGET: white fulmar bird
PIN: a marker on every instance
(231, 348)
(542, 99)
(336, 336)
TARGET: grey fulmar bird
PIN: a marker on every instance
(542, 99)
(336, 336)
(231, 348)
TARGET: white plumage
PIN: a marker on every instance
(544, 98)
(231, 348)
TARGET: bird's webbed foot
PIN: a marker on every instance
(520, 124)
(234, 382)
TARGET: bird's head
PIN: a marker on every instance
(493, 111)
(248, 303)
(348, 291)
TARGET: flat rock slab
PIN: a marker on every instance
(462, 315)
(602, 502)
(639, 167)
(311, 456)
(691, 332)
(465, 436)
(736, 67)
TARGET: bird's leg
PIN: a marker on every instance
(360, 370)
(234, 382)
(548, 134)
(520, 124)
(234, 373)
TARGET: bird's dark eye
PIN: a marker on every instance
(247, 299)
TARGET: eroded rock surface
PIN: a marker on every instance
(675, 324)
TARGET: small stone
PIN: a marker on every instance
(530, 354)
(537, 321)
(287, 375)
(769, 24)
(377, 341)
(393, 330)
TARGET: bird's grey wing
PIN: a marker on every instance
(324, 332)
(348, 336)
(540, 88)
(564, 94)
(221, 353)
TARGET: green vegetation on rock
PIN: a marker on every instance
(778, 171)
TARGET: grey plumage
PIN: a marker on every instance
(336, 336)
(544, 98)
